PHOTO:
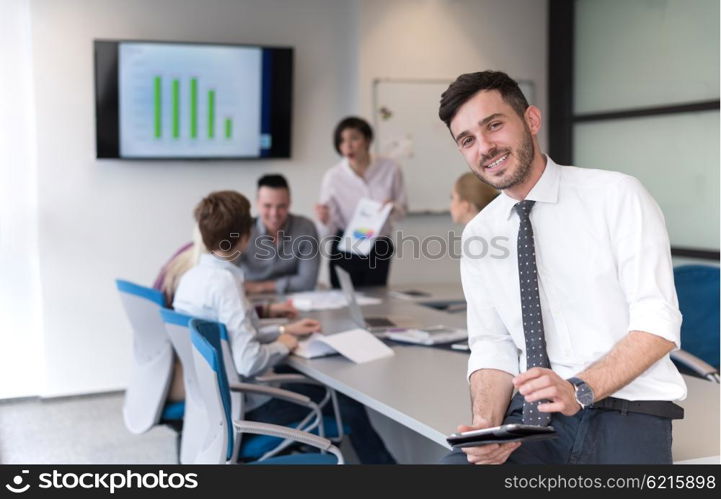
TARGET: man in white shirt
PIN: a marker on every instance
(582, 313)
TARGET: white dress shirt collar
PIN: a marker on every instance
(545, 190)
(209, 260)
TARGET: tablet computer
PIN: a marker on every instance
(501, 435)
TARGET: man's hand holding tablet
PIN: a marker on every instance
(501, 434)
(490, 453)
(493, 445)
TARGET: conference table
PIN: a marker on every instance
(424, 389)
(420, 387)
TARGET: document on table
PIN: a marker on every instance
(435, 335)
(327, 300)
(358, 345)
(362, 231)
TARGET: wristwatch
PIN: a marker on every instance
(584, 393)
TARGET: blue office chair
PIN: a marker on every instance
(254, 448)
(176, 327)
(145, 402)
(697, 287)
(222, 430)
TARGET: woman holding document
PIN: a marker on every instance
(360, 178)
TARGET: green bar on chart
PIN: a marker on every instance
(228, 128)
(176, 109)
(211, 114)
(193, 108)
(156, 101)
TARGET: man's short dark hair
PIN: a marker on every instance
(469, 84)
(274, 181)
(355, 123)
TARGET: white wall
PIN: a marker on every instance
(21, 366)
(99, 220)
(441, 39)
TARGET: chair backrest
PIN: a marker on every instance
(236, 398)
(219, 443)
(697, 287)
(177, 328)
(152, 369)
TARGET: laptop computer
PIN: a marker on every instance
(370, 323)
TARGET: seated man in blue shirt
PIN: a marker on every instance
(282, 256)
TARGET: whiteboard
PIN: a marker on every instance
(408, 130)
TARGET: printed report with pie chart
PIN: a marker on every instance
(368, 219)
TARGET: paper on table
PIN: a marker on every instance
(357, 345)
(436, 335)
(363, 229)
(327, 300)
(409, 294)
(313, 347)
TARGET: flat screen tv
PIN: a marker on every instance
(161, 100)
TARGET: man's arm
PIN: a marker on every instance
(305, 251)
(631, 356)
(491, 392)
(493, 360)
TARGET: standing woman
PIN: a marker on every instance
(359, 175)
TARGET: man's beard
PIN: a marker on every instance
(524, 156)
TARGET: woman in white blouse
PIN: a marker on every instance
(359, 175)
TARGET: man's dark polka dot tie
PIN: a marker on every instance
(536, 355)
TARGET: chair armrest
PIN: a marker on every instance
(302, 379)
(272, 391)
(288, 433)
(288, 396)
(695, 364)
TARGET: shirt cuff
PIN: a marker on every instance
(485, 355)
(656, 318)
(268, 334)
(281, 285)
(279, 348)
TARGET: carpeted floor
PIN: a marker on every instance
(78, 430)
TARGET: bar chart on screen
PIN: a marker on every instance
(189, 100)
